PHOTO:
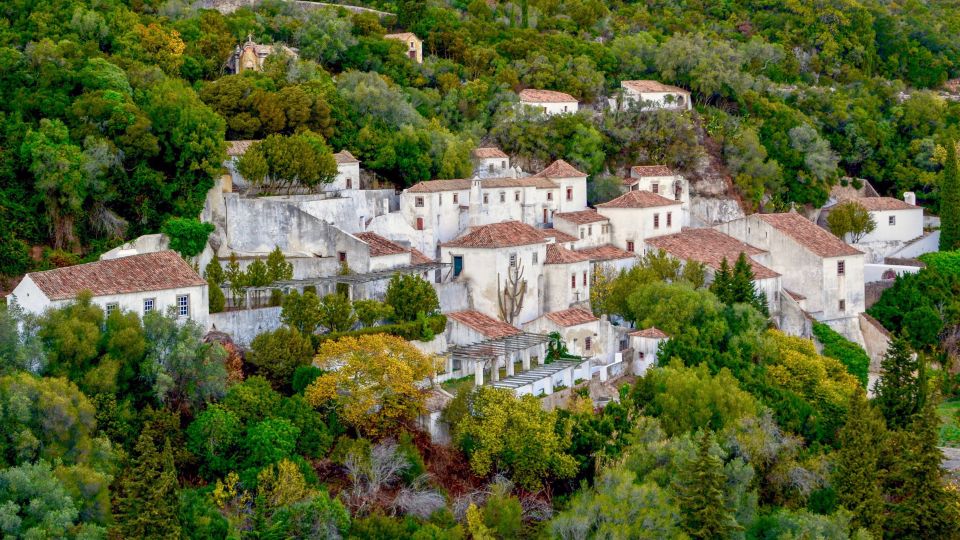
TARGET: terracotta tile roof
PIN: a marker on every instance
(639, 171)
(710, 247)
(487, 326)
(531, 95)
(463, 184)
(639, 199)
(877, 204)
(497, 235)
(380, 246)
(795, 295)
(489, 152)
(146, 272)
(557, 254)
(435, 186)
(402, 36)
(418, 257)
(650, 86)
(581, 217)
(529, 181)
(808, 234)
(606, 252)
(557, 236)
(239, 148)
(630, 181)
(344, 156)
(572, 316)
(652, 332)
(560, 169)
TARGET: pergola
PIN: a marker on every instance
(347, 279)
(500, 348)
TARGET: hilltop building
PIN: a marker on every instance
(413, 44)
(549, 101)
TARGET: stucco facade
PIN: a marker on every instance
(630, 227)
(895, 225)
(654, 95)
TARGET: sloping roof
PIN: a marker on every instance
(710, 247)
(558, 236)
(581, 217)
(239, 148)
(606, 252)
(435, 186)
(557, 254)
(380, 246)
(531, 95)
(639, 199)
(650, 86)
(463, 184)
(344, 156)
(572, 316)
(878, 204)
(809, 235)
(640, 171)
(156, 271)
(529, 181)
(652, 332)
(497, 235)
(561, 169)
(418, 257)
(487, 326)
(489, 152)
(401, 35)
(795, 295)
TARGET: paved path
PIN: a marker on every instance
(951, 459)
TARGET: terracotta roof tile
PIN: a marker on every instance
(557, 236)
(809, 235)
(463, 184)
(418, 257)
(156, 271)
(380, 246)
(572, 316)
(487, 326)
(650, 86)
(606, 252)
(489, 152)
(639, 171)
(560, 169)
(557, 254)
(344, 156)
(435, 186)
(239, 148)
(639, 199)
(531, 95)
(497, 235)
(878, 204)
(581, 217)
(652, 332)
(401, 36)
(795, 295)
(710, 247)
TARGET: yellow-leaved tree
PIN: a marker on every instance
(798, 367)
(373, 380)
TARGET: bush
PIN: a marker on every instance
(410, 295)
(279, 353)
(851, 355)
(187, 236)
(218, 301)
(303, 376)
(413, 330)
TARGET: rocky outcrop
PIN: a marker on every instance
(713, 197)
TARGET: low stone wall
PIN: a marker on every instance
(873, 290)
(453, 296)
(246, 324)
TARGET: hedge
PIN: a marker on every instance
(847, 352)
(412, 330)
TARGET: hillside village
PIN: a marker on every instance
(348, 274)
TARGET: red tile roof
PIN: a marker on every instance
(146, 272)
(557, 236)
(572, 316)
(344, 156)
(639, 199)
(531, 95)
(606, 252)
(581, 217)
(652, 332)
(809, 235)
(650, 86)
(402, 36)
(380, 246)
(487, 326)
(462, 184)
(434, 186)
(795, 295)
(489, 152)
(639, 171)
(497, 235)
(557, 254)
(878, 204)
(710, 247)
(238, 148)
(560, 169)
(418, 257)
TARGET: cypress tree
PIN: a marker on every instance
(147, 503)
(742, 287)
(701, 495)
(722, 281)
(950, 201)
(899, 390)
(857, 474)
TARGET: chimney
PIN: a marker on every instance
(910, 198)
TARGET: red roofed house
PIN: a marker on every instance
(812, 262)
(655, 95)
(662, 180)
(646, 344)
(636, 216)
(579, 328)
(896, 220)
(491, 162)
(412, 44)
(473, 328)
(549, 101)
(158, 281)
(567, 277)
(589, 227)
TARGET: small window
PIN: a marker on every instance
(457, 265)
(148, 305)
(490, 167)
(669, 219)
(535, 258)
(513, 260)
(589, 230)
(573, 281)
(587, 343)
(656, 221)
(503, 197)
(418, 202)
(342, 255)
(841, 268)
(183, 305)
(842, 305)
(549, 195)
(486, 198)
(419, 223)
(111, 307)
(581, 233)
(456, 198)
(440, 199)
(584, 279)
(569, 193)
(349, 183)
(892, 220)
(503, 164)
(655, 187)
(630, 246)
(516, 196)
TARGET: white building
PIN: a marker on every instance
(636, 216)
(588, 227)
(549, 101)
(413, 44)
(645, 345)
(655, 95)
(661, 180)
(813, 264)
(578, 327)
(897, 221)
(348, 172)
(491, 162)
(567, 276)
(158, 281)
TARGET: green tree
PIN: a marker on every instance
(858, 465)
(723, 283)
(408, 295)
(898, 392)
(278, 268)
(218, 300)
(35, 504)
(188, 237)
(850, 219)
(950, 201)
(148, 497)
(278, 354)
(336, 313)
(701, 495)
(301, 311)
(743, 289)
(237, 280)
(214, 272)
(369, 312)
(284, 161)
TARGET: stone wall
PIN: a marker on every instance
(244, 325)
(873, 290)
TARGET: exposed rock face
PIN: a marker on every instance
(713, 198)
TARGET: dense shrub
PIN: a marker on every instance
(847, 352)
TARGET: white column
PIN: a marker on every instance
(477, 373)
(526, 359)
(509, 359)
(495, 369)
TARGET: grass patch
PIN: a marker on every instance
(950, 424)
(454, 385)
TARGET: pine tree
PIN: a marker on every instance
(742, 287)
(701, 495)
(950, 201)
(899, 391)
(857, 475)
(722, 281)
(147, 503)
